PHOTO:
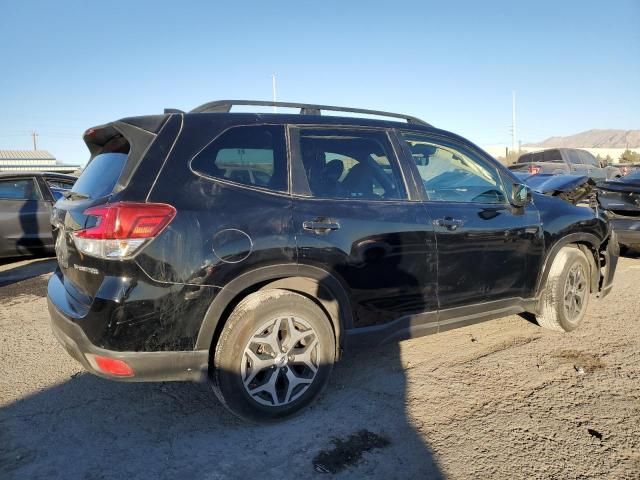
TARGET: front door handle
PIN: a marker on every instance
(320, 225)
(449, 223)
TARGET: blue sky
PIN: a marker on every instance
(69, 65)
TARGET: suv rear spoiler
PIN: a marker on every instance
(130, 135)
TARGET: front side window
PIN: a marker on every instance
(351, 164)
(449, 175)
(251, 155)
(589, 159)
(19, 189)
(574, 157)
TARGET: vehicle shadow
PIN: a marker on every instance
(25, 269)
(630, 252)
(88, 427)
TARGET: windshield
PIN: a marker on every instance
(101, 175)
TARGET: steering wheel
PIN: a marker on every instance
(382, 178)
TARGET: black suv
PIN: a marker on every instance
(254, 249)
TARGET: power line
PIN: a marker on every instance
(514, 132)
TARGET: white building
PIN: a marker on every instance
(32, 160)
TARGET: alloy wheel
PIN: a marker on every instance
(575, 291)
(280, 361)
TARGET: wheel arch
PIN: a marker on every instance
(313, 282)
(588, 243)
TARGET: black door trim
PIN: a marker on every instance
(414, 326)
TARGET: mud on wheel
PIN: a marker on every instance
(274, 355)
(566, 295)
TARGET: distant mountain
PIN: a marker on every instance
(594, 139)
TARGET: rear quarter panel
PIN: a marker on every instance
(221, 229)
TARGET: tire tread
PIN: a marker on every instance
(550, 303)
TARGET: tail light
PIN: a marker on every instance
(110, 366)
(534, 169)
(121, 229)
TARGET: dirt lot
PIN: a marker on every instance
(504, 399)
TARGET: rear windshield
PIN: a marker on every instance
(553, 156)
(101, 175)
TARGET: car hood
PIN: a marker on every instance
(621, 185)
(572, 188)
(622, 196)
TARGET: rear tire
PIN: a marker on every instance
(274, 356)
(566, 296)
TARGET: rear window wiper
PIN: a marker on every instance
(69, 195)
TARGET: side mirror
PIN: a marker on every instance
(520, 195)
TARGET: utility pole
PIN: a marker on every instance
(34, 135)
(273, 85)
(514, 131)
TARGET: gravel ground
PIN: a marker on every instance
(504, 399)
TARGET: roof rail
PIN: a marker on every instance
(224, 106)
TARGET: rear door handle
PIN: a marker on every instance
(321, 225)
(449, 223)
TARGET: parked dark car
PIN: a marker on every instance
(565, 161)
(621, 198)
(25, 211)
(365, 232)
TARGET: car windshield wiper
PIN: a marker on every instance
(69, 195)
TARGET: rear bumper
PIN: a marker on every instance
(147, 366)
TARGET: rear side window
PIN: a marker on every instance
(19, 189)
(59, 184)
(353, 164)
(251, 155)
(58, 187)
(100, 175)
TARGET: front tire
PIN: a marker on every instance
(566, 295)
(274, 356)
